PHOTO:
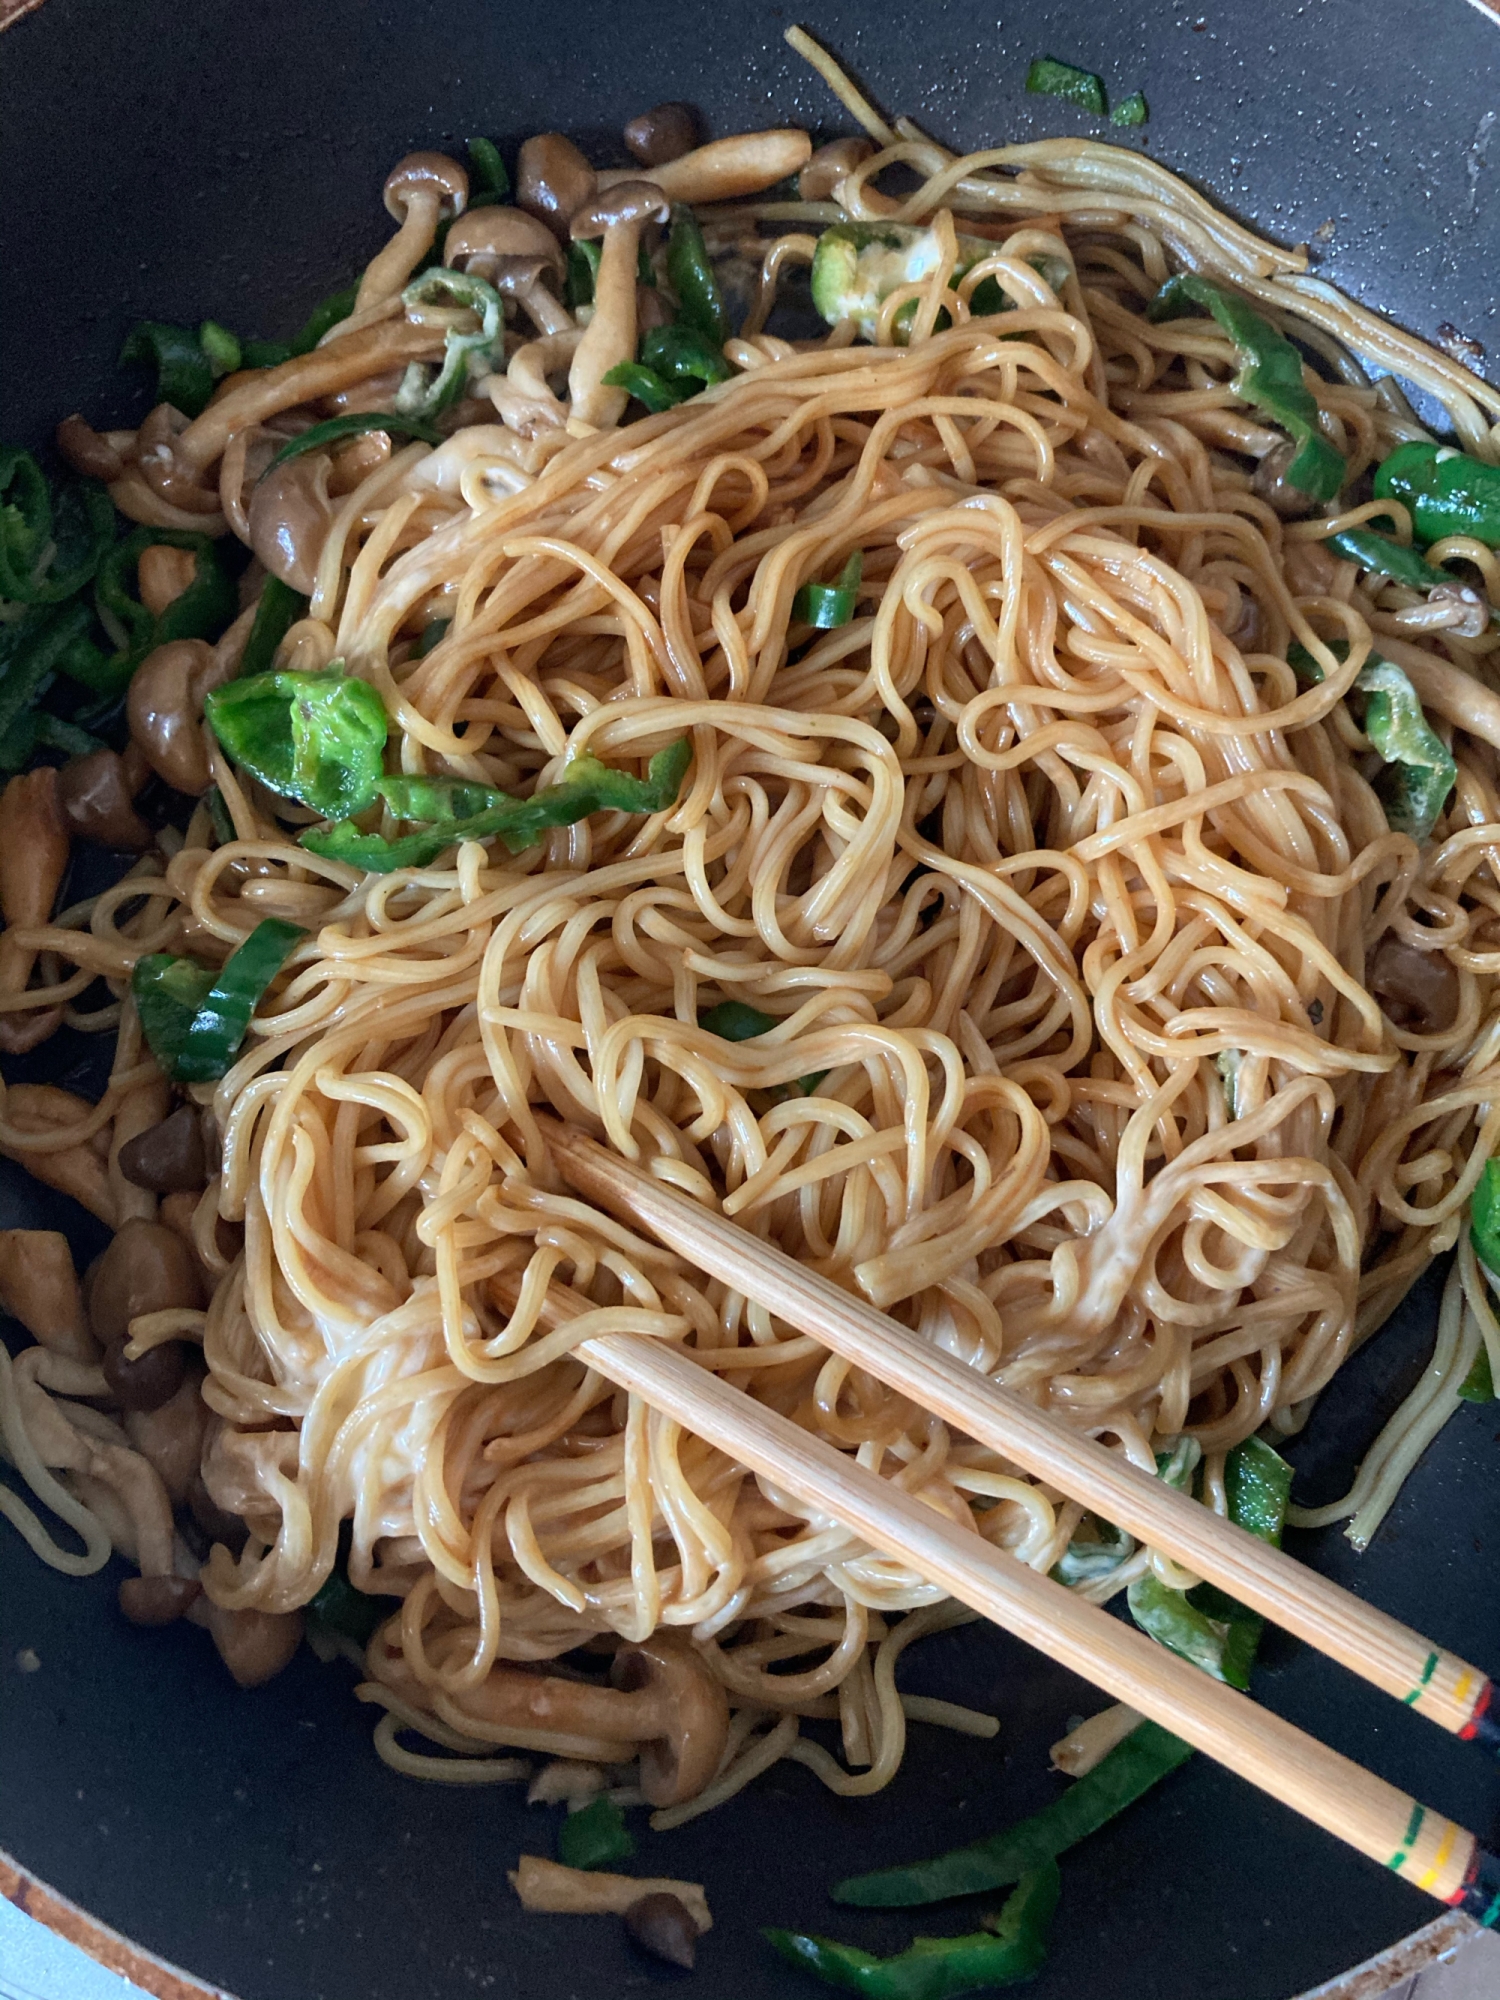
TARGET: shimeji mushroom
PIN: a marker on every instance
(618, 215)
(289, 517)
(725, 169)
(164, 709)
(553, 180)
(514, 252)
(39, 1287)
(665, 132)
(33, 855)
(419, 190)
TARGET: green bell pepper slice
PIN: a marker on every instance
(1011, 1948)
(1078, 87)
(1130, 110)
(1446, 492)
(426, 393)
(195, 1018)
(826, 606)
(277, 612)
(586, 787)
(49, 550)
(488, 181)
(318, 738)
(1381, 556)
(1269, 378)
(184, 373)
(202, 611)
(354, 423)
(1146, 1756)
(857, 265)
(700, 303)
(594, 1837)
(647, 386)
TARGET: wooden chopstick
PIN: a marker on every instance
(1340, 1796)
(1380, 1649)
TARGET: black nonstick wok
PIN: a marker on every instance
(179, 161)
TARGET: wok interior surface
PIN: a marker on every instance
(227, 163)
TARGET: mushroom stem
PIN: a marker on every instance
(80, 1169)
(33, 855)
(609, 337)
(389, 269)
(306, 376)
(39, 1287)
(725, 169)
(142, 1108)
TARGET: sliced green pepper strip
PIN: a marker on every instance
(319, 738)
(277, 612)
(1204, 1625)
(264, 353)
(828, 605)
(333, 309)
(683, 354)
(36, 728)
(428, 799)
(354, 423)
(700, 304)
(47, 552)
(195, 1018)
(738, 1021)
(1147, 1755)
(1383, 557)
(586, 787)
(343, 1609)
(32, 648)
(184, 373)
(200, 612)
(1484, 1216)
(1075, 86)
(594, 1837)
(488, 180)
(1420, 772)
(1478, 1386)
(647, 386)
(1269, 378)
(424, 393)
(221, 348)
(857, 265)
(583, 272)
(1446, 492)
(1013, 1947)
(1130, 110)
(1084, 1562)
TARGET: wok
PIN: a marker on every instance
(179, 162)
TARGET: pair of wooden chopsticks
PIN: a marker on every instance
(1325, 1787)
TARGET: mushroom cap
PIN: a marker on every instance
(552, 179)
(626, 201)
(426, 173)
(820, 178)
(692, 1711)
(499, 231)
(663, 133)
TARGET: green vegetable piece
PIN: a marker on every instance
(828, 605)
(1079, 87)
(700, 304)
(277, 612)
(1269, 378)
(1446, 492)
(1204, 1625)
(587, 786)
(343, 1609)
(430, 799)
(488, 180)
(1478, 1386)
(1011, 1948)
(195, 1018)
(319, 738)
(1420, 772)
(857, 265)
(1383, 557)
(219, 813)
(201, 611)
(583, 270)
(221, 347)
(1147, 1755)
(736, 1021)
(264, 353)
(423, 392)
(1484, 1217)
(1130, 110)
(48, 552)
(647, 386)
(323, 317)
(681, 354)
(594, 1837)
(32, 648)
(354, 423)
(433, 633)
(184, 373)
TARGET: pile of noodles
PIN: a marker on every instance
(1014, 859)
